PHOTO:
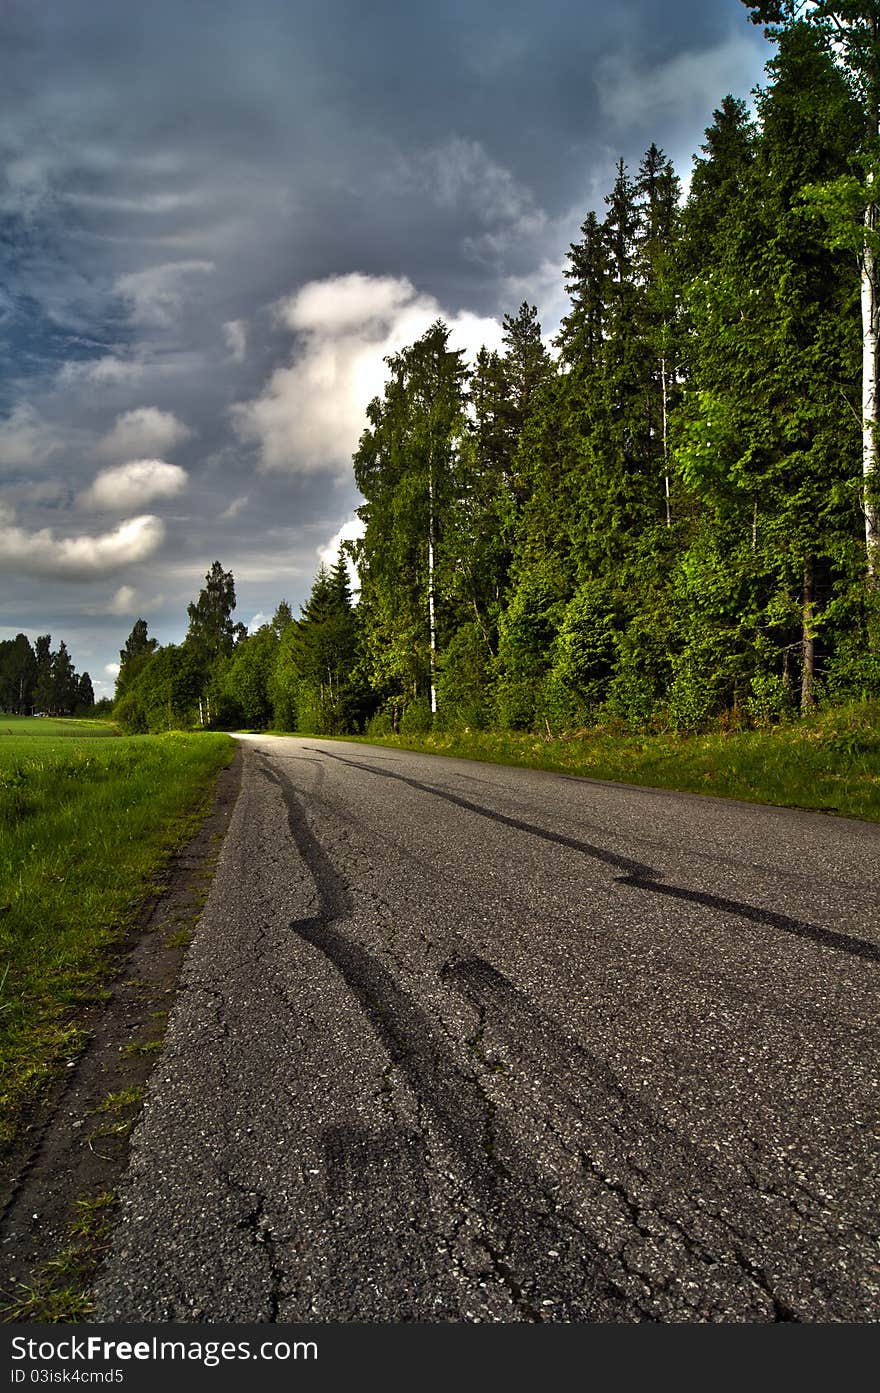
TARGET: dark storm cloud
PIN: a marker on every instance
(171, 172)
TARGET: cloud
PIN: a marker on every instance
(77, 558)
(128, 601)
(129, 485)
(156, 295)
(145, 203)
(350, 531)
(125, 601)
(544, 287)
(630, 91)
(108, 370)
(26, 439)
(310, 415)
(112, 670)
(460, 176)
(144, 431)
(328, 554)
(36, 491)
(257, 622)
(235, 334)
(235, 507)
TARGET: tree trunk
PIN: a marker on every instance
(869, 391)
(808, 664)
(665, 395)
(432, 635)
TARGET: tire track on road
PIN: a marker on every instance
(638, 875)
(521, 1224)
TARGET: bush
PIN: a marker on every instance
(416, 718)
(462, 681)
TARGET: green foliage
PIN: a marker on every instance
(463, 680)
(585, 647)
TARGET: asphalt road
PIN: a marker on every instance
(463, 1042)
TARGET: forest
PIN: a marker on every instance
(665, 519)
(42, 680)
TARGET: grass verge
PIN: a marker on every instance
(829, 762)
(86, 826)
(59, 1290)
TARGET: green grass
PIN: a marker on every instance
(87, 823)
(59, 1290)
(829, 762)
(60, 728)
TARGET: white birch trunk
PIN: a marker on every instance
(808, 663)
(432, 635)
(869, 389)
(665, 391)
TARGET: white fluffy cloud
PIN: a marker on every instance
(77, 558)
(128, 601)
(155, 295)
(144, 431)
(310, 415)
(124, 601)
(350, 531)
(132, 484)
(235, 334)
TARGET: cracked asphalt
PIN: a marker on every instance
(460, 1042)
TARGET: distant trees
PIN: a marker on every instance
(41, 679)
(295, 674)
(18, 674)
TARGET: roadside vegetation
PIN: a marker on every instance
(829, 762)
(88, 820)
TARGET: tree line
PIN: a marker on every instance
(42, 680)
(292, 673)
(668, 518)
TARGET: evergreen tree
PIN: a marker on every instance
(18, 674)
(406, 468)
(211, 632)
(211, 636)
(526, 361)
(65, 682)
(850, 30)
(762, 438)
(44, 683)
(318, 677)
(85, 694)
(658, 191)
(134, 655)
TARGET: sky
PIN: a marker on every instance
(216, 219)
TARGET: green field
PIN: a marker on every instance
(829, 762)
(88, 819)
(51, 728)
